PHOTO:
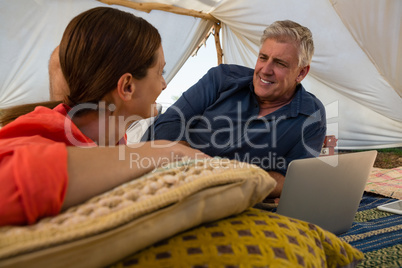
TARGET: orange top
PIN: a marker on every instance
(33, 164)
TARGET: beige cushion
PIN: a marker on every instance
(136, 215)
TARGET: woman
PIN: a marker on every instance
(51, 159)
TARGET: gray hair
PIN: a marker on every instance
(287, 30)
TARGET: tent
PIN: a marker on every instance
(356, 70)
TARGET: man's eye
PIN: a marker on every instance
(163, 72)
(281, 64)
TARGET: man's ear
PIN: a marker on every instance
(126, 87)
(303, 72)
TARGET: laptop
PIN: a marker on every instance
(327, 190)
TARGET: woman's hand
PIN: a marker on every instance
(170, 151)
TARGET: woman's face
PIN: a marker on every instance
(149, 88)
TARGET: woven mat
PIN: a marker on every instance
(378, 234)
(386, 182)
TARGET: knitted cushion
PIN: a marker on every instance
(255, 238)
(137, 214)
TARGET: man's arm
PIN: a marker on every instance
(280, 179)
(309, 145)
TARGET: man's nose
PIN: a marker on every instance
(268, 67)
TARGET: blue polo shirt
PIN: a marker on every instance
(219, 116)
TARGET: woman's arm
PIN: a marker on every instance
(92, 171)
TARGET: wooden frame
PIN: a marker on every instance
(148, 7)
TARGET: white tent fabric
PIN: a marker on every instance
(356, 70)
(31, 29)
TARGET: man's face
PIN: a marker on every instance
(276, 72)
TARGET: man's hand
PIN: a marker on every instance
(280, 179)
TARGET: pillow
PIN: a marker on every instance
(137, 214)
(255, 238)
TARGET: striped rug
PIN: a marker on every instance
(376, 233)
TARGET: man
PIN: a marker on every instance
(262, 116)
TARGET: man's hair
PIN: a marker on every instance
(288, 31)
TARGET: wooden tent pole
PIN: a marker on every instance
(148, 7)
(217, 28)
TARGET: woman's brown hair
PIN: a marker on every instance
(97, 48)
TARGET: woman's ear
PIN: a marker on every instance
(126, 87)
